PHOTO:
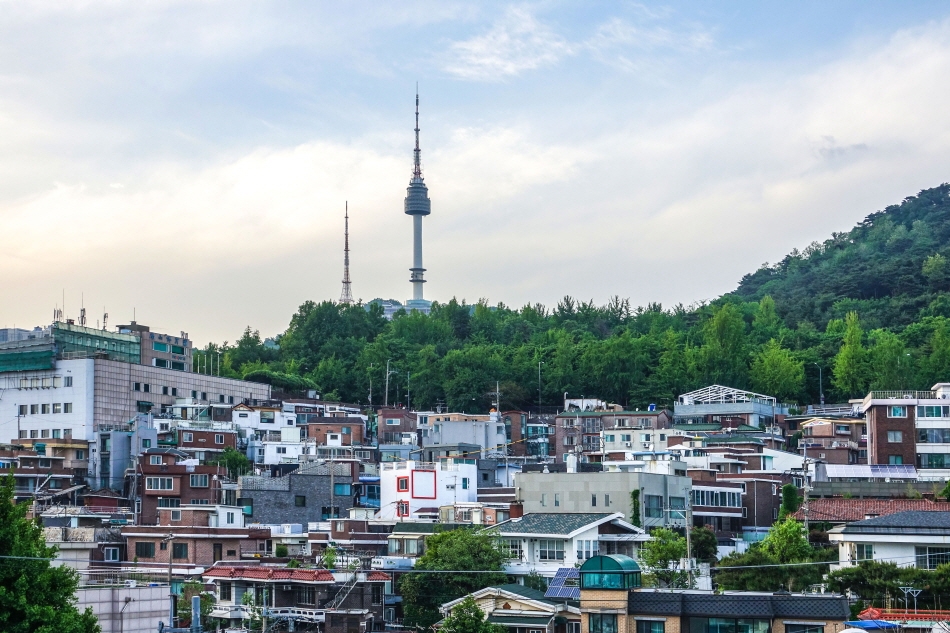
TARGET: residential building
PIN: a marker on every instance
(601, 435)
(116, 448)
(912, 538)
(527, 435)
(165, 478)
(86, 536)
(910, 427)
(717, 505)
(521, 609)
(873, 481)
(37, 476)
(313, 492)
(415, 490)
(200, 537)
(339, 602)
(161, 350)
(544, 542)
(335, 431)
(475, 513)
(488, 433)
(728, 408)
(835, 440)
(660, 499)
(840, 511)
(397, 426)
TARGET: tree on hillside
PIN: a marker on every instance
(234, 461)
(459, 551)
(890, 366)
(705, 545)
(35, 596)
(776, 373)
(662, 554)
(467, 617)
(850, 365)
(190, 589)
(724, 352)
(790, 501)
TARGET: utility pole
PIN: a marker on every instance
(386, 399)
(370, 370)
(821, 388)
(805, 488)
(407, 392)
(169, 543)
(539, 386)
(689, 541)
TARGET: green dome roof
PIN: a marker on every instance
(610, 562)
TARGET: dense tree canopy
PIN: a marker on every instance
(869, 308)
(35, 596)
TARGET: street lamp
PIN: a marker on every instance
(821, 388)
(168, 540)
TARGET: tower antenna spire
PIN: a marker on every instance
(347, 295)
(417, 152)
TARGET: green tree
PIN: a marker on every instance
(234, 461)
(704, 543)
(766, 325)
(724, 352)
(35, 596)
(889, 366)
(790, 501)
(662, 554)
(466, 617)
(850, 370)
(776, 373)
(786, 542)
(188, 591)
(462, 550)
(534, 580)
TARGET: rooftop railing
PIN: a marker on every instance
(900, 395)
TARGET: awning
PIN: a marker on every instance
(520, 620)
(65, 491)
(144, 403)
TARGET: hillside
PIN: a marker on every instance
(868, 307)
(890, 268)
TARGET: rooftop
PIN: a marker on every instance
(850, 510)
(738, 605)
(551, 522)
(910, 521)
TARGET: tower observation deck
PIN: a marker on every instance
(418, 206)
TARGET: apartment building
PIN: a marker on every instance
(167, 478)
(397, 426)
(416, 490)
(603, 435)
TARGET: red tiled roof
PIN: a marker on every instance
(377, 576)
(270, 573)
(848, 510)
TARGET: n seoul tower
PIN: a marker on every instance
(417, 205)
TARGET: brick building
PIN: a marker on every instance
(397, 426)
(167, 479)
(335, 431)
(305, 495)
(583, 432)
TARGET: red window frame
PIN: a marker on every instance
(402, 484)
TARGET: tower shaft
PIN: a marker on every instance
(418, 206)
(347, 295)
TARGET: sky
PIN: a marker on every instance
(188, 163)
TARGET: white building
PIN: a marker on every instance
(544, 542)
(413, 490)
(447, 429)
(908, 539)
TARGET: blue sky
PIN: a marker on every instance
(191, 160)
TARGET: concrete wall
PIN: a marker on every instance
(126, 609)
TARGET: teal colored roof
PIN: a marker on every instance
(697, 427)
(733, 439)
(747, 427)
(525, 592)
(610, 562)
(550, 522)
(415, 527)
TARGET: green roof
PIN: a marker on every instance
(415, 527)
(521, 590)
(733, 439)
(610, 562)
(697, 427)
(550, 522)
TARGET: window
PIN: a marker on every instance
(307, 595)
(544, 500)
(136, 386)
(933, 460)
(23, 409)
(224, 591)
(933, 412)
(144, 550)
(158, 483)
(204, 396)
(146, 443)
(895, 459)
(111, 554)
(678, 507)
(587, 549)
(221, 398)
(33, 434)
(412, 546)
(650, 626)
(187, 437)
(230, 399)
(179, 550)
(392, 421)
(164, 391)
(602, 622)
(67, 407)
(67, 433)
(897, 412)
(229, 517)
(342, 489)
(932, 557)
(178, 349)
(300, 501)
(178, 366)
(864, 551)
(728, 625)
(155, 460)
(80, 454)
(550, 549)
(45, 409)
(199, 481)
(464, 483)
(176, 515)
(44, 433)
(281, 450)
(68, 381)
(933, 436)
(146, 388)
(804, 628)
(653, 506)
(512, 548)
(160, 347)
(376, 595)
(34, 409)
(609, 438)
(593, 501)
(232, 552)
(402, 484)
(557, 499)
(402, 509)
(895, 436)
(57, 407)
(346, 430)
(219, 438)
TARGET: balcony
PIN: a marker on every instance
(899, 395)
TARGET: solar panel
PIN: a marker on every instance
(871, 471)
(564, 584)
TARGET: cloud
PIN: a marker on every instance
(515, 43)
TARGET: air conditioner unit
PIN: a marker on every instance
(629, 444)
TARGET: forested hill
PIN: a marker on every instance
(890, 268)
(869, 309)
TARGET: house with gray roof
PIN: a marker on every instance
(521, 609)
(543, 542)
(914, 538)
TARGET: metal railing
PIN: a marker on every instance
(900, 395)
